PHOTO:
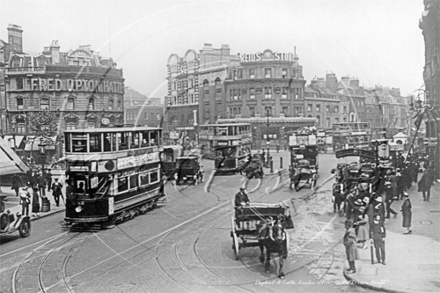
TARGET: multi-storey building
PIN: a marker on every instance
(430, 26)
(323, 103)
(195, 88)
(81, 88)
(141, 110)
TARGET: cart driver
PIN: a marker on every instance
(241, 198)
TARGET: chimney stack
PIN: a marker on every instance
(55, 52)
(15, 38)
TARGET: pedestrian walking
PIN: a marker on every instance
(389, 198)
(57, 191)
(425, 184)
(49, 179)
(351, 251)
(378, 234)
(278, 147)
(400, 185)
(41, 184)
(35, 202)
(16, 184)
(407, 214)
(25, 200)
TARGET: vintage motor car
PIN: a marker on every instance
(188, 171)
(10, 223)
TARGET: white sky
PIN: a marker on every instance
(378, 41)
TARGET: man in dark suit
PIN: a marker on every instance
(241, 198)
(378, 234)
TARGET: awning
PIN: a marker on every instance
(10, 140)
(10, 163)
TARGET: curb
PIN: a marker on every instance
(368, 286)
(46, 215)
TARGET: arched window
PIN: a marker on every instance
(20, 103)
(218, 82)
(70, 103)
(119, 105)
(110, 104)
(91, 105)
(205, 83)
(44, 104)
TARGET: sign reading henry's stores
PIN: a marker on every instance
(267, 55)
(76, 85)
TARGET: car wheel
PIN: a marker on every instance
(25, 228)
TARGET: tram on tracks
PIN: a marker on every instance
(229, 144)
(349, 135)
(113, 174)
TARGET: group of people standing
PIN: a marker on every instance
(366, 210)
(34, 188)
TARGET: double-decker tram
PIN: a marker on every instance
(229, 143)
(348, 135)
(113, 174)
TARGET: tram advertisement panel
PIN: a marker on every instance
(135, 161)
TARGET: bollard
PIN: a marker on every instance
(271, 166)
(281, 163)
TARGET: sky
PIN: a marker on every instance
(377, 41)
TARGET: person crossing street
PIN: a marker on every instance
(378, 234)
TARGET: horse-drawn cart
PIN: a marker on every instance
(262, 225)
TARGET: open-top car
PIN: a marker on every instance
(188, 171)
(10, 223)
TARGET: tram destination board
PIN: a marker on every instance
(355, 153)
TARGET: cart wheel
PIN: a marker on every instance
(25, 228)
(287, 243)
(235, 245)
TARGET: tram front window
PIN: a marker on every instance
(109, 142)
(145, 140)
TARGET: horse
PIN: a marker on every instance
(274, 239)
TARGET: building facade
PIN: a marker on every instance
(78, 88)
(430, 26)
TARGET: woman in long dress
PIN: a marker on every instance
(35, 202)
(407, 214)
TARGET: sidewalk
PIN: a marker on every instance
(413, 260)
(12, 204)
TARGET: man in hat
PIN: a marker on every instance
(389, 198)
(57, 191)
(378, 234)
(378, 208)
(241, 198)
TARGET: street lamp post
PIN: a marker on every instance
(42, 147)
(267, 138)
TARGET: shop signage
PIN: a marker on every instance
(79, 169)
(260, 57)
(139, 160)
(76, 85)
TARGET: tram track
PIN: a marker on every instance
(206, 227)
(39, 257)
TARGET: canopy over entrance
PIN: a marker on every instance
(10, 163)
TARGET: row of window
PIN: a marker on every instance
(235, 94)
(327, 109)
(152, 116)
(70, 104)
(183, 100)
(132, 180)
(268, 110)
(267, 73)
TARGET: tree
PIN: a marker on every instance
(43, 123)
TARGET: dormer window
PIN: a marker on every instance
(91, 105)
